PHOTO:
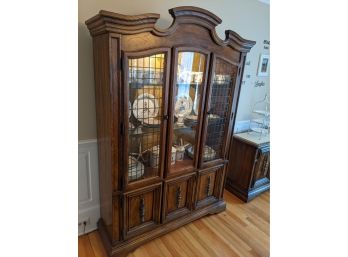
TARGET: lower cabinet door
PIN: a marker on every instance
(178, 197)
(209, 186)
(142, 210)
(261, 167)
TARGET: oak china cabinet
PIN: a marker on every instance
(166, 103)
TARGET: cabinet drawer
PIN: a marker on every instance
(178, 197)
(142, 210)
(209, 186)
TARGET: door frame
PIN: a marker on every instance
(230, 115)
(172, 91)
(125, 123)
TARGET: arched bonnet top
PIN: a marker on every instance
(107, 21)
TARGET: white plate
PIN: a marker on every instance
(183, 106)
(145, 106)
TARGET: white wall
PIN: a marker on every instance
(249, 18)
(88, 185)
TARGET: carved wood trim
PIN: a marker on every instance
(142, 209)
(208, 185)
(106, 22)
(178, 197)
(145, 225)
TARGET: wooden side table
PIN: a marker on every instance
(248, 172)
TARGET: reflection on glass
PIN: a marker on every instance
(220, 101)
(187, 99)
(146, 82)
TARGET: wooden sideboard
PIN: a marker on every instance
(248, 173)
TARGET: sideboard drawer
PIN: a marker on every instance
(209, 186)
(178, 197)
(142, 210)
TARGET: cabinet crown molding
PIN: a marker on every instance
(107, 22)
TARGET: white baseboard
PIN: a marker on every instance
(93, 214)
(88, 186)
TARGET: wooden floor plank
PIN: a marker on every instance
(230, 238)
(196, 245)
(241, 231)
(256, 239)
(141, 252)
(161, 248)
(221, 247)
(97, 244)
(174, 248)
(85, 248)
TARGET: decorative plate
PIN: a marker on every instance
(145, 106)
(183, 106)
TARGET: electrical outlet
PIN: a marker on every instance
(87, 220)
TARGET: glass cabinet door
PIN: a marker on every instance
(145, 93)
(186, 97)
(218, 110)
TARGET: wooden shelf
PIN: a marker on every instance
(181, 166)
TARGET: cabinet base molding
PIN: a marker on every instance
(123, 248)
(246, 196)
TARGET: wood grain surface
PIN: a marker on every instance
(242, 230)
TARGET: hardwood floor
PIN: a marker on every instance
(242, 230)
